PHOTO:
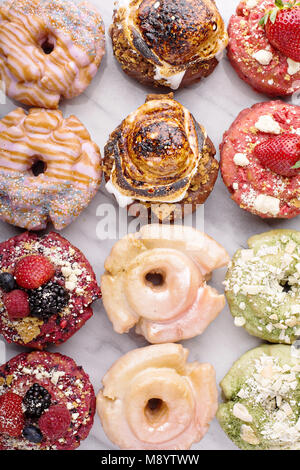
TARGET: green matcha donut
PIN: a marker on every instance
(262, 393)
(263, 286)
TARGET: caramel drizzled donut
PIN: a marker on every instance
(152, 399)
(160, 154)
(156, 280)
(166, 42)
(49, 49)
(49, 168)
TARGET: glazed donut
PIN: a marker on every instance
(162, 158)
(155, 279)
(49, 50)
(168, 43)
(49, 168)
(152, 399)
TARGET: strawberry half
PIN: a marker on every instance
(283, 28)
(33, 271)
(280, 154)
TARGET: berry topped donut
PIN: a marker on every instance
(50, 169)
(264, 45)
(161, 158)
(47, 402)
(168, 43)
(49, 49)
(260, 160)
(46, 289)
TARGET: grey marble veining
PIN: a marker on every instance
(214, 102)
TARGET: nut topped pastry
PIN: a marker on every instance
(166, 42)
(160, 156)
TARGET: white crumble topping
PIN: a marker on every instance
(273, 387)
(293, 67)
(267, 124)
(263, 57)
(267, 204)
(241, 159)
(257, 280)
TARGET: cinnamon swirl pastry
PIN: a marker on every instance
(161, 157)
(168, 43)
(49, 49)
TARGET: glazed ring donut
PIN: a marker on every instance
(161, 158)
(49, 50)
(263, 286)
(155, 280)
(49, 168)
(168, 43)
(152, 399)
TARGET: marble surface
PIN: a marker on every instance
(215, 103)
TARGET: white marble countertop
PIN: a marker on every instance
(215, 103)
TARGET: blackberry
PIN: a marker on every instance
(36, 400)
(47, 300)
(7, 282)
(32, 434)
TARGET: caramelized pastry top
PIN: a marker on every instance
(173, 35)
(156, 151)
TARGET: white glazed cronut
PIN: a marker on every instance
(156, 280)
(153, 399)
(172, 35)
(71, 168)
(49, 49)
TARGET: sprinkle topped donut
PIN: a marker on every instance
(49, 49)
(49, 168)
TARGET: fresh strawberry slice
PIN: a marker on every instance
(280, 154)
(11, 414)
(17, 304)
(33, 271)
(283, 28)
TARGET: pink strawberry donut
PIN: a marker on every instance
(250, 52)
(49, 49)
(49, 168)
(253, 182)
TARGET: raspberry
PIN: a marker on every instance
(17, 304)
(33, 271)
(55, 422)
(11, 414)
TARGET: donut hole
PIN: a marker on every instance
(155, 279)
(156, 411)
(286, 286)
(47, 44)
(38, 167)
